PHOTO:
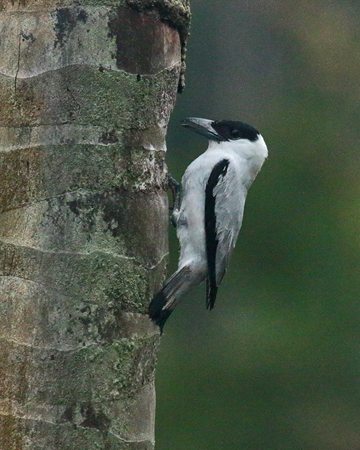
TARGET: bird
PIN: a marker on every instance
(208, 209)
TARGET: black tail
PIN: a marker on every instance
(164, 302)
(156, 312)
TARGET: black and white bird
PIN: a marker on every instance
(209, 208)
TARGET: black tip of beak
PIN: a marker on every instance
(186, 123)
(203, 127)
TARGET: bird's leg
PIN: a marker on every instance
(176, 193)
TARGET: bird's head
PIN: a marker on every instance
(230, 134)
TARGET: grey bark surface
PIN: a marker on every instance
(86, 91)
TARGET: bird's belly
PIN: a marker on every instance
(191, 235)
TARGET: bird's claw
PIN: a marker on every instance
(175, 188)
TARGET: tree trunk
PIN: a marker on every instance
(86, 90)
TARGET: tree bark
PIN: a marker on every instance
(86, 90)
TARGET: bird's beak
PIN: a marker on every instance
(203, 127)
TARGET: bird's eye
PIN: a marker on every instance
(235, 133)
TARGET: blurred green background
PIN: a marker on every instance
(276, 364)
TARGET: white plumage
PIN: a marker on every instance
(209, 213)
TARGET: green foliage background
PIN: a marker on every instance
(276, 364)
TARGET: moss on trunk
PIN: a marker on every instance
(86, 90)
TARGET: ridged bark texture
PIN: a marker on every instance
(86, 90)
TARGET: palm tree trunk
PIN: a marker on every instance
(86, 90)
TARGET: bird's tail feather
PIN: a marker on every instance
(165, 301)
(211, 293)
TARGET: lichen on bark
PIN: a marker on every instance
(83, 217)
(177, 14)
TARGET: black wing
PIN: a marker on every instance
(212, 240)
